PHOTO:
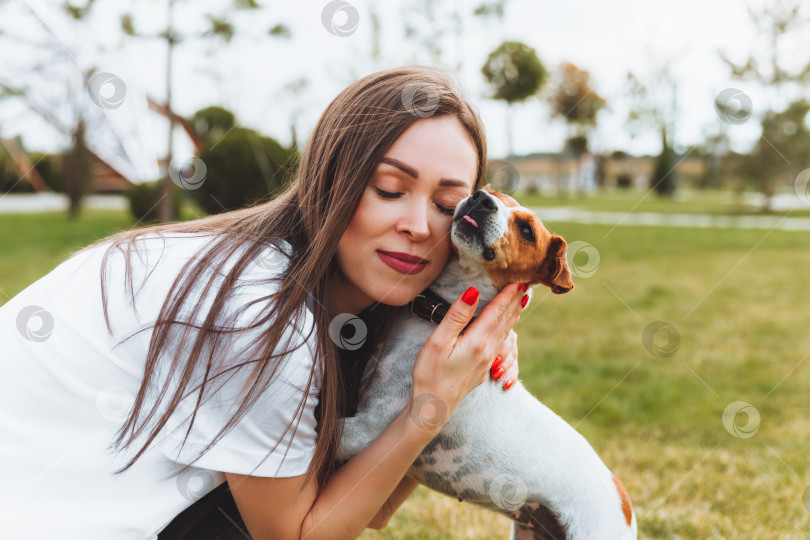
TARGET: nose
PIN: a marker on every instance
(415, 222)
(480, 200)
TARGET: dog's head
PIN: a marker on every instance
(492, 231)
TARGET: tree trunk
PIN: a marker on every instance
(77, 171)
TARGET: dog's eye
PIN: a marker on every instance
(527, 232)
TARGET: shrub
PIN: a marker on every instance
(242, 168)
(144, 197)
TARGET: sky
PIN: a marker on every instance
(251, 74)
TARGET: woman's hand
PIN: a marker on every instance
(450, 365)
(505, 367)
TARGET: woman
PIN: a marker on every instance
(382, 172)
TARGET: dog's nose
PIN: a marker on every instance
(483, 201)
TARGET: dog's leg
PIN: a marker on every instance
(534, 521)
(356, 436)
(387, 395)
(522, 532)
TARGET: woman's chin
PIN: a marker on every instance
(399, 297)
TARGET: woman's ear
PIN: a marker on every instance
(554, 270)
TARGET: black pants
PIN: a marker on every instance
(213, 517)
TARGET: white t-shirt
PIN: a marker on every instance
(65, 389)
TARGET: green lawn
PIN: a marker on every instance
(741, 315)
(686, 201)
(738, 300)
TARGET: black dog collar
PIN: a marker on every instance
(432, 307)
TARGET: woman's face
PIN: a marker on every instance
(407, 207)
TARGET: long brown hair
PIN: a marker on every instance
(340, 157)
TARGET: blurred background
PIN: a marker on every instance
(668, 143)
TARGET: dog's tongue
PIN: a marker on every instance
(471, 220)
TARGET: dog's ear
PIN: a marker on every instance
(554, 270)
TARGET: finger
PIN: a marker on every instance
(508, 345)
(509, 378)
(495, 318)
(509, 364)
(508, 367)
(457, 317)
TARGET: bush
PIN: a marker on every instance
(143, 200)
(242, 168)
(49, 167)
(624, 181)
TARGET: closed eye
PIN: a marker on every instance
(388, 195)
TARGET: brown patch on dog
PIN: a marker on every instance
(545, 262)
(626, 507)
(516, 261)
(554, 270)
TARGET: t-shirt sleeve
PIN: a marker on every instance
(257, 444)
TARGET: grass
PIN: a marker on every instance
(738, 301)
(714, 202)
(31, 245)
(742, 320)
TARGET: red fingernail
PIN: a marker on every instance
(527, 285)
(498, 373)
(470, 296)
(524, 300)
(508, 384)
(496, 363)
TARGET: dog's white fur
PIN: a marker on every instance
(503, 450)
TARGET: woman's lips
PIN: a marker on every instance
(400, 265)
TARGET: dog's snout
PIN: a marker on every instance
(480, 200)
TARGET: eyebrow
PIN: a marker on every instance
(410, 171)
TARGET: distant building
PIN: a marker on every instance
(551, 173)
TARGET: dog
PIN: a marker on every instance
(503, 450)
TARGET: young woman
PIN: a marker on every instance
(157, 363)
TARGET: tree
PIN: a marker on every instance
(765, 66)
(51, 51)
(241, 168)
(573, 99)
(781, 152)
(221, 27)
(77, 170)
(515, 73)
(652, 106)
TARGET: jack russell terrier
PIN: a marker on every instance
(503, 450)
